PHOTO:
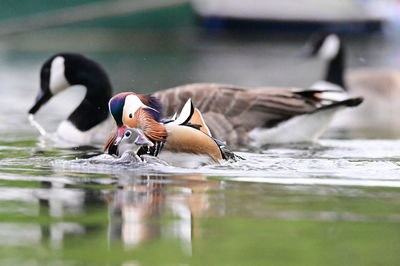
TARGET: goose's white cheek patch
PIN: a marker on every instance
(58, 82)
(330, 47)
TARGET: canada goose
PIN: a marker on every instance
(379, 87)
(238, 116)
(89, 122)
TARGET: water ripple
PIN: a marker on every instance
(330, 162)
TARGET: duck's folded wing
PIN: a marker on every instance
(189, 140)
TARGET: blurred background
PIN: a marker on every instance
(332, 203)
(156, 44)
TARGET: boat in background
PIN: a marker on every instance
(311, 15)
(343, 15)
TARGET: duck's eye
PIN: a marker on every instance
(127, 134)
(130, 115)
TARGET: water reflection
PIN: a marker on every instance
(42, 211)
(71, 214)
(137, 206)
(140, 209)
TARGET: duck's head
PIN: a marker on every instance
(64, 70)
(323, 45)
(124, 105)
(137, 111)
(132, 140)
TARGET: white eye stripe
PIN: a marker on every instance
(132, 104)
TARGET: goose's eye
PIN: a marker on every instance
(130, 115)
(127, 134)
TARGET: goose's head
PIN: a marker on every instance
(324, 45)
(52, 81)
(64, 70)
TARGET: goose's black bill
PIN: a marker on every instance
(41, 99)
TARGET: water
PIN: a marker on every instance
(335, 202)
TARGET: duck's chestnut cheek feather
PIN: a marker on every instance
(129, 121)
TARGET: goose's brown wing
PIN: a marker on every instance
(224, 130)
(228, 108)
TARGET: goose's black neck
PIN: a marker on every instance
(335, 69)
(93, 110)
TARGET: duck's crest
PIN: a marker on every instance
(154, 103)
